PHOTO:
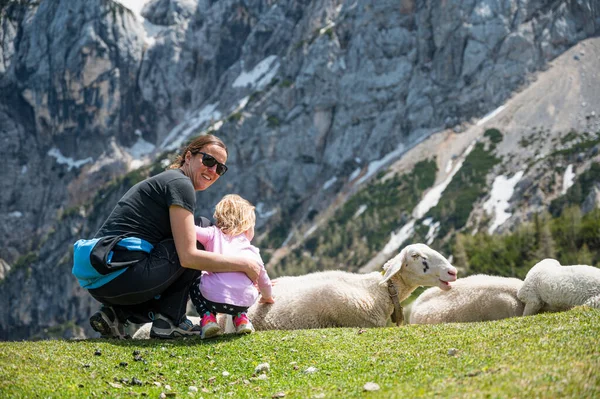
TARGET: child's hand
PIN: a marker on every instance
(266, 300)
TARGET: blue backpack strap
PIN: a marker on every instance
(92, 259)
(135, 244)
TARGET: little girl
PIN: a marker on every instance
(229, 292)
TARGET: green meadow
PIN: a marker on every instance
(544, 356)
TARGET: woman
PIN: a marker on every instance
(144, 258)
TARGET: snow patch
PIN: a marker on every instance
(242, 104)
(329, 25)
(354, 174)
(139, 150)
(433, 196)
(329, 183)
(483, 10)
(217, 126)
(288, 238)
(181, 132)
(430, 200)
(264, 213)
(433, 228)
(568, 179)
(134, 5)
(491, 115)
(15, 214)
(361, 209)
(376, 165)
(311, 230)
(260, 75)
(150, 30)
(449, 166)
(398, 238)
(497, 204)
(70, 162)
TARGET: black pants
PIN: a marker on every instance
(203, 305)
(157, 283)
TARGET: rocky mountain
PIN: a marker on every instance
(315, 99)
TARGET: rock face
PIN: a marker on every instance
(304, 93)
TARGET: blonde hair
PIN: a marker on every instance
(234, 215)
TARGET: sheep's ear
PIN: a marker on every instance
(393, 266)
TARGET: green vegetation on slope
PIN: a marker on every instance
(548, 355)
(467, 186)
(362, 226)
(580, 189)
(570, 238)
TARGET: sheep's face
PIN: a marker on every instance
(420, 265)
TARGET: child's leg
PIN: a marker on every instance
(207, 311)
(242, 323)
(198, 300)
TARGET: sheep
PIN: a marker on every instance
(549, 286)
(343, 299)
(475, 298)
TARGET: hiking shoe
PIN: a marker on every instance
(242, 324)
(105, 322)
(164, 328)
(210, 328)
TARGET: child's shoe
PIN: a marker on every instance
(242, 324)
(209, 325)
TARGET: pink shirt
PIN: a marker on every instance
(233, 288)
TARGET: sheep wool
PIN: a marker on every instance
(474, 298)
(549, 286)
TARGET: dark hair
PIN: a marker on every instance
(196, 146)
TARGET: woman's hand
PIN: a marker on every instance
(253, 269)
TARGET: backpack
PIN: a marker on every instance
(92, 259)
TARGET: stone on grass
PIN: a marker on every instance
(262, 368)
(371, 386)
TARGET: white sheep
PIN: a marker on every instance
(474, 298)
(549, 286)
(343, 299)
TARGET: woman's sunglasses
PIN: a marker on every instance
(209, 161)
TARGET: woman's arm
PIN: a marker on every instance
(184, 234)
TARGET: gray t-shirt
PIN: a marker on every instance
(144, 210)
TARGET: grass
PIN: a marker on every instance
(547, 356)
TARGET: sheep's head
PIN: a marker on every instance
(420, 265)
